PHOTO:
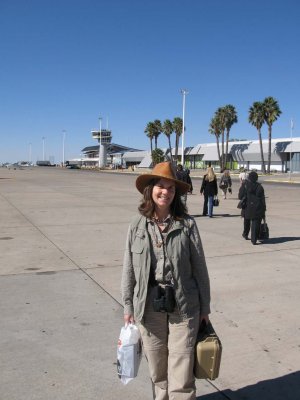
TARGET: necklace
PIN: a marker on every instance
(164, 222)
(167, 224)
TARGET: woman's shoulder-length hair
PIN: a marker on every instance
(147, 207)
(210, 176)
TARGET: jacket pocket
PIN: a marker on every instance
(136, 251)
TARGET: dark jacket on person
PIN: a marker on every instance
(189, 181)
(209, 188)
(182, 175)
(255, 203)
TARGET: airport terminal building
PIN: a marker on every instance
(285, 155)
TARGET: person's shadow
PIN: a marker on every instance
(216, 215)
(282, 239)
(283, 388)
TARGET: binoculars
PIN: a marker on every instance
(164, 299)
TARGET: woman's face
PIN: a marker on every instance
(163, 194)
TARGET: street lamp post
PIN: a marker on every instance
(63, 147)
(29, 152)
(292, 127)
(184, 92)
(43, 139)
(100, 140)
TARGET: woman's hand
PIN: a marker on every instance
(128, 319)
(204, 317)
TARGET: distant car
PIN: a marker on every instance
(25, 164)
(73, 166)
(13, 166)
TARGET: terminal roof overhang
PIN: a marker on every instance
(112, 148)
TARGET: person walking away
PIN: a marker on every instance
(209, 189)
(225, 183)
(165, 282)
(189, 181)
(255, 208)
(182, 176)
(243, 175)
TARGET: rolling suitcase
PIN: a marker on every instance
(207, 353)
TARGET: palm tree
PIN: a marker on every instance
(272, 112)
(177, 127)
(230, 119)
(157, 156)
(150, 131)
(157, 130)
(214, 129)
(221, 116)
(167, 129)
(257, 119)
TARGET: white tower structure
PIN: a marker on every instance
(104, 138)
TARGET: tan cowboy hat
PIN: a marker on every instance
(162, 170)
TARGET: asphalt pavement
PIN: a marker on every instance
(62, 238)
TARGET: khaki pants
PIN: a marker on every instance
(168, 343)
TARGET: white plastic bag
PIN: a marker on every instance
(129, 353)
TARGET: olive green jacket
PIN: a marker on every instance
(188, 266)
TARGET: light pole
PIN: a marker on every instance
(100, 140)
(184, 92)
(63, 146)
(43, 139)
(29, 152)
(292, 127)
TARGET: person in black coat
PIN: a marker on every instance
(255, 208)
(209, 188)
(189, 181)
(182, 176)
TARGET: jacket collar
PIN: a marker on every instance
(177, 224)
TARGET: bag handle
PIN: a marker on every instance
(205, 330)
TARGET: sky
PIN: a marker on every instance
(65, 63)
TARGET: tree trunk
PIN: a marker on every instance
(226, 149)
(169, 138)
(263, 168)
(218, 149)
(155, 141)
(176, 148)
(222, 159)
(269, 148)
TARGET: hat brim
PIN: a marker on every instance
(143, 180)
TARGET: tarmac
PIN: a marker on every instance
(62, 238)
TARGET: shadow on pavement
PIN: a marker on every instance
(228, 215)
(284, 388)
(281, 239)
(216, 215)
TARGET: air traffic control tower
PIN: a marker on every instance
(104, 138)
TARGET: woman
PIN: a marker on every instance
(165, 283)
(210, 189)
(255, 208)
(243, 176)
(189, 181)
(225, 183)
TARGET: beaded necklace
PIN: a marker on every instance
(166, 227)
(164, 222)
